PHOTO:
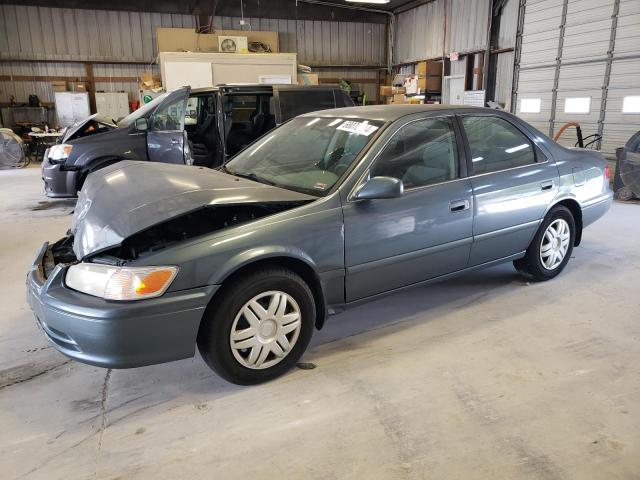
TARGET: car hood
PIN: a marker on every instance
(71, 132)
(128, 197)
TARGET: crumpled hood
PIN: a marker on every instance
(73, 129)
(128, 197)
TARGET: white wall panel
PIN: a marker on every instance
(419, 33)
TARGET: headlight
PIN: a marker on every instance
(120, 283)
(59, 153)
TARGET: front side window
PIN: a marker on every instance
(496, 144)
(169, 116)
(420, 153)
(307, 154)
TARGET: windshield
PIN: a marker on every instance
(142, 111)
(306, 154)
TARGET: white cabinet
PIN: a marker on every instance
(208, 69)
(113, 105)
(71, 107)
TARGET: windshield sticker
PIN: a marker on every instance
(359, 128)
(320, 186)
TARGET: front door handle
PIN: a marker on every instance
(459, 205)
(548, 185)
(175, 141)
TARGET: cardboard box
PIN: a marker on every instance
(307, 79)
(429, 68)
(430, 84)
(187, 40)
(386, 90)
(399, 98)
(59, 85)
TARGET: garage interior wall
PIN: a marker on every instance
(349, 50)
(580, 49)
(419, 33)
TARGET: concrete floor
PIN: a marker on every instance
(481, 377)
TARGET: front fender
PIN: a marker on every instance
(253, 255)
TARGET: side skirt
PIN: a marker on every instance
(333, 309)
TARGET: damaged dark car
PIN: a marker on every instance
(200, 127)
(331, 209)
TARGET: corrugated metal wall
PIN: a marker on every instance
(504, 65)
(111, 36)
(581, 48)
(419, 33)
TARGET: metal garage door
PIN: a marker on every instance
(577, 61)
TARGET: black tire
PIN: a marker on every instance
(215, 330)
(531, 266)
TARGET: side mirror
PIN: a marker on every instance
(142, 125)
(380, 187)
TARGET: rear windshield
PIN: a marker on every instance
(297, 102)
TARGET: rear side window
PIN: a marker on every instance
(420, 153)
(496, 144)
(297, 102)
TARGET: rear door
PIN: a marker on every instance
(513, 183)
(166, 135)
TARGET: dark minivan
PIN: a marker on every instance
(202, 127)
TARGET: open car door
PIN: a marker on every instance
(166, 139)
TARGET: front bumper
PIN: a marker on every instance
(115, 334)
(58, 183)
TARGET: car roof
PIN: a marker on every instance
(391, 112)
(262, 86)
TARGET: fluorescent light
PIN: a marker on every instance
(315, 120)
(335, 122)
(477, 159)
(631, 104)
(369, 1)
(577, 105)
(530, 105)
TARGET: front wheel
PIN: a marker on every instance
(551, 247)
(258, 327)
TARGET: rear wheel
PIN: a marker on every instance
(258, 327)
(551, 247)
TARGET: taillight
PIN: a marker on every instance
(607, 172)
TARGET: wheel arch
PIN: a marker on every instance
(576, 210)
(93, 165)
(296, 263)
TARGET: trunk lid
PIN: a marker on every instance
(128, 197)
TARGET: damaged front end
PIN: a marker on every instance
(129, 209)
(200, 222)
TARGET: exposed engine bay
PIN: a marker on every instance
(199, 222)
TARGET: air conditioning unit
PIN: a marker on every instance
(228, 44)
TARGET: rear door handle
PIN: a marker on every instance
(546, 185)
(459, 205)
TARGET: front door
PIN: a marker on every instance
(166, 135)
(513, 184)
(426, 232)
